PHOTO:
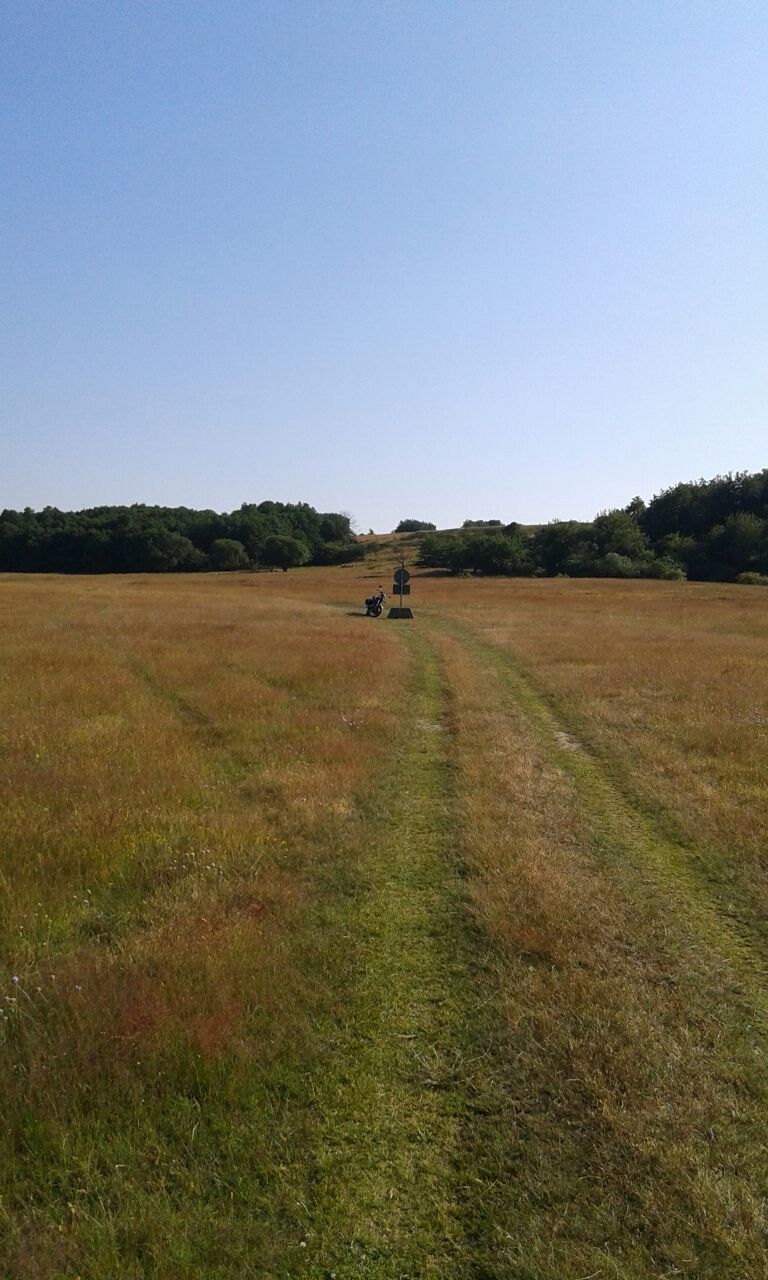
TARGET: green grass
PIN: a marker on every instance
(629, 837)
(393, 1183)
(338, 957)
(382, 1199)
(636, 1079)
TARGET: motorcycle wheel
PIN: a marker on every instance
(377, 611)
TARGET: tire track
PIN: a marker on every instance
(231, 765)
(388, 1189)
(624, 836)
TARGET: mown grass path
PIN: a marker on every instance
(388, 1182)
(506, 1097)
(637, 1085)
(661, 866)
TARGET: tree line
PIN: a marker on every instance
(708, 530)
(147, 539)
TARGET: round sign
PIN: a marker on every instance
(401, 576)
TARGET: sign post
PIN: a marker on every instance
(402, 588)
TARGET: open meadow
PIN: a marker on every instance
(340, 947)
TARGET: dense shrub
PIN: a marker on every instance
(415, 526)
(341, 552)
(226, 553)
(660, 567)
(494, 553)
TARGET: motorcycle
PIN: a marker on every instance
(373, 606)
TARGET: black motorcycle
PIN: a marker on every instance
(374, 605)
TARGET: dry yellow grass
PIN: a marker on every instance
(181, 762)
(668, 683)
(635, 1134)
(205, 815)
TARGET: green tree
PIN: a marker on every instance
(676, 547)
(565, 546)
(636, 508)
(226, 553)
(496, 553)
(739, 545)
(432, 551)
(618, 533)
(335, 527)
(281, 551)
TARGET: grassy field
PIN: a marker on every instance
(336, 947)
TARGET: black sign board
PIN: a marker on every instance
(401, 576)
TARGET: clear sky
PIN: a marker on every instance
(432, 258)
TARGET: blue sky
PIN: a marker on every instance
(423, 258)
